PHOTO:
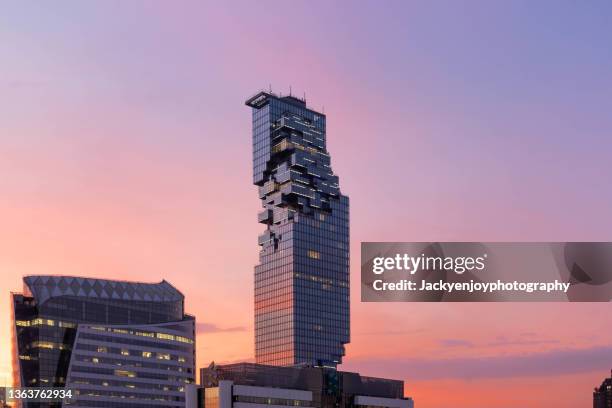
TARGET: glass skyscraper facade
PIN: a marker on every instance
(113, 343)
(302, 280)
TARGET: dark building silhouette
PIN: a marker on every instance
(115, 344)
(602, 396)
(302, 280)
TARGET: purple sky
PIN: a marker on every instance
(125, 152)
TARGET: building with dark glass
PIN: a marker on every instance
(248, 385)
(302, 279)
(602, 395)
(115, 344)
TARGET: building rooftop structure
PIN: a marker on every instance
(261, 98)
(317, 387)
(45, 287)
(301, 378)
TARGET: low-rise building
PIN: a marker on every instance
(249, 385)
(113, 344)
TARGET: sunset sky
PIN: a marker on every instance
(125, 153)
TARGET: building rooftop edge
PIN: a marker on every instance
(44, 287)
(297, 367)
(260, 99)
(47, 275)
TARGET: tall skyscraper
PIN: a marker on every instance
(113, 343)
(302, 280)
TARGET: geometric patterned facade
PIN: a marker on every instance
(302, 279)
(45, 287)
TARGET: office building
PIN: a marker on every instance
(602, 396)
(113, 343)
(248, 385)
(302, 280)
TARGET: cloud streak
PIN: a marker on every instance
(456, 343)
(203, 327)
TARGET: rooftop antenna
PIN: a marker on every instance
(304, 96)
(270, 88)
(289, 90)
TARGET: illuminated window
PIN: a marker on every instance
(125, 373)
(147, 354)
(102, 349)
(125, 352)
(48, 345)
(163, 356)
(314, 254)
(165, 336)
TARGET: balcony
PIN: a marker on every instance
(265, 217)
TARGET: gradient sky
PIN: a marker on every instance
(125, 153)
